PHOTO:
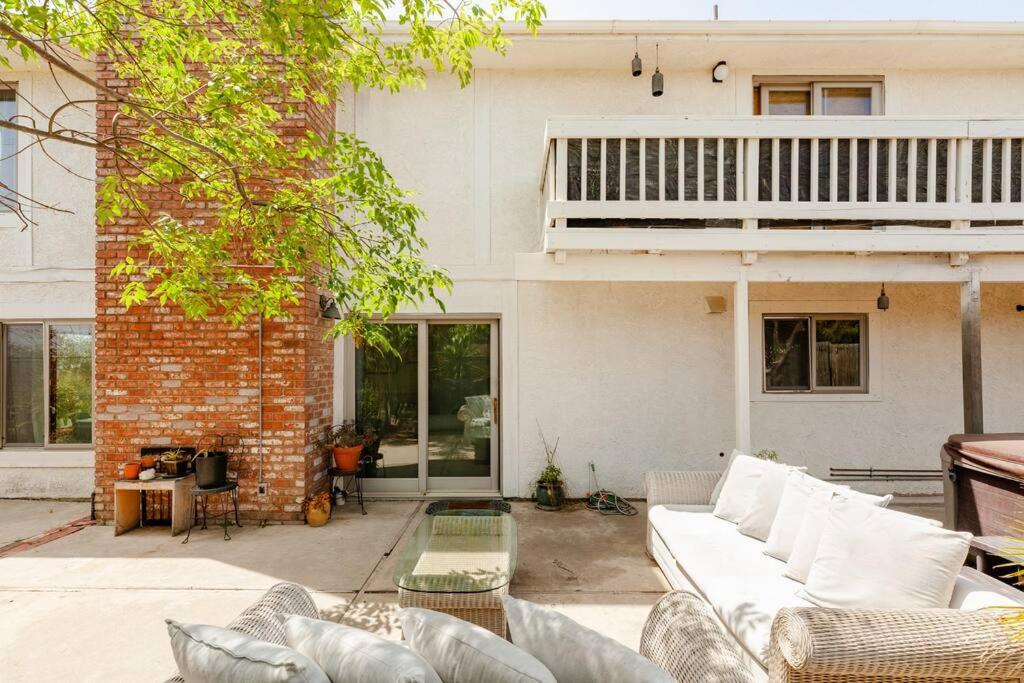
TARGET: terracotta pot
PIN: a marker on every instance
(131, 470)
(317, 517)
(148, 462)
(347, 458)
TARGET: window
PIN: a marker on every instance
(802, 97)
(815, 353)
(8, 148)
(47, 383)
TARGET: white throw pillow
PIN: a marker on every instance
(740, 487)
(461, 652)
(575, 653)
(870, 557)
(717, 491)
(790, 513)
(805, 544)
(211, 654)
(757, 520)
(352, 654)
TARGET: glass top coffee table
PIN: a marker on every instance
(460, 562)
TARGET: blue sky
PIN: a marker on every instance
(982, 10)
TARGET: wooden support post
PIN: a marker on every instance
(970, 331)
(741, 365)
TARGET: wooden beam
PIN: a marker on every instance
(970, 330)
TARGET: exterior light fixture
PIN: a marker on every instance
(638, 66)
(657, 80)
(1020, 308)
(720, 72)
(329, 308)
(883, 300)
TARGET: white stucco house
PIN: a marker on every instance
(655, 280)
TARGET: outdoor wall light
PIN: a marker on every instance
(883, 300)
(328, 308)
(1020, 308)
(720, 72)
(638, 66)
(657, 80)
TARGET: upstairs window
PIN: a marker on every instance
(815, 354)
(8, 149)
(804, 97)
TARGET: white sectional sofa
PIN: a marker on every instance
(746, 590)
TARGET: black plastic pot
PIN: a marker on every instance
(550, 496)
(212, 470)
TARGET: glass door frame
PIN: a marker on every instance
(423, 484)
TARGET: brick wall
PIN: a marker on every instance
(162, 379)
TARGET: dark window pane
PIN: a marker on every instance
(575, 169)
(824, 170)
(632, 169)
(672, 169)
(977, 178)
(71, 384)
(941, 164)
(804, 162)
(8, 148)
(612, 152)
(785, 170)
(764, 171)
(863, 163)
(387, 401)
(882, 179)
(787, 357)
(651, 169)
(710, 169)
(837, 353)
(23, 385)
(593, 170)
(844, 170)
(690, 177)
(729, 181)
(997, 171)
(922, 171)
(902, 152)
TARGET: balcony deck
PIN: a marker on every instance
(918, 185)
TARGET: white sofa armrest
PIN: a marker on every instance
(906, 645)
(683, 487)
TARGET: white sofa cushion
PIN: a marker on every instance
(352, 654)
(790, 513)
(740, 487)
(575, 653)
(211, 654)
(870, 557)
(757, 520)
(461, 652)
(805, 544)
(717, 491)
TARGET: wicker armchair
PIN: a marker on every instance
(259, 620)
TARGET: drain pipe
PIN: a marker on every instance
(261, 485)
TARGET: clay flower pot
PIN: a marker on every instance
(347, 458)
(317, 516)
(131, 470)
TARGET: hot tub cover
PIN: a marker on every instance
(1001, 454)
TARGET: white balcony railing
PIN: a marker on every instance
(930, 173)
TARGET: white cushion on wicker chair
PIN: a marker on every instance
(790, 514)
(461, 652)
(757, 520)
(870, 557)
(211, 654)
(352, 654)
(575, 653)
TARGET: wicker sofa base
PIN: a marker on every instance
(483, 609)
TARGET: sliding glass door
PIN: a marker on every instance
(432, 400)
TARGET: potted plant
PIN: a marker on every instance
(346, 445)
(317, 509)
(174, 463)
(211, 468)
(550, 490)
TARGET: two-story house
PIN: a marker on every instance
(810, 241)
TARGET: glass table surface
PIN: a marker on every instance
(459, 551)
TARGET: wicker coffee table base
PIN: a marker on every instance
(483, 609)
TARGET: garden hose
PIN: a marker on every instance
(606, 502)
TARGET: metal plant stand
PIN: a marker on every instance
(229, 491)
(355, 477)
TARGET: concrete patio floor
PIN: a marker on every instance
(90, 607)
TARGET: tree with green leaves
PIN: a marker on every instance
(209, 85)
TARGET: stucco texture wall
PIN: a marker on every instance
(631, 376)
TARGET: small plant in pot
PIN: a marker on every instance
(317, 509)
(174, 462)
(550, 490)
(346, 445)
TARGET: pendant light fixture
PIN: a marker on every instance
(883, 300)
(657, 80)
(638, 66)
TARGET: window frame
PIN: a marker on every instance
(816, 87)
(46, 325)
(861, 389)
